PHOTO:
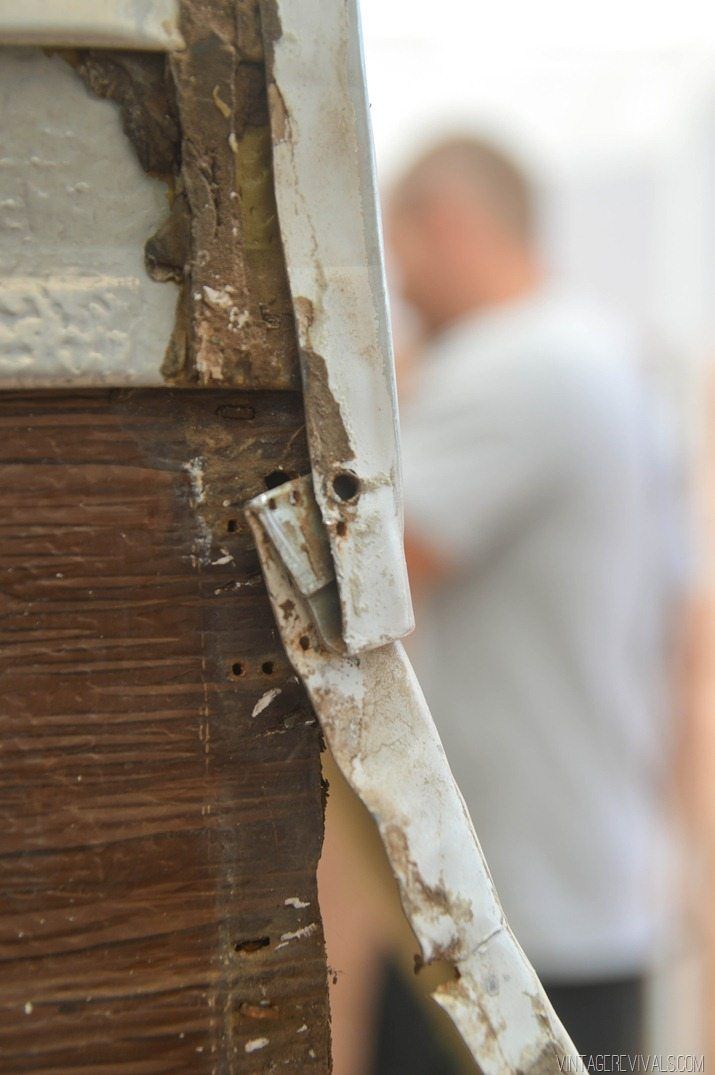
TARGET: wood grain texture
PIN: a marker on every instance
(158, 843)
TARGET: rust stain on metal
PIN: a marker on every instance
(436, 895)
(279, 112)
(327, 434)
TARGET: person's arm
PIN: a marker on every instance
(426, 565)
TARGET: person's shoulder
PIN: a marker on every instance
(581, 350)
(572, 326)
(551, 352)
(576, 371)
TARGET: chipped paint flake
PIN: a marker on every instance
(298, 934)
(255, 1044)
(237, 318)
(220, 103)
(201, 545)
(221, 298)
(195, 469)
(265, 700)
(294, 901)
(224, 558)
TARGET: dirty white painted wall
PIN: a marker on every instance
(76, 303)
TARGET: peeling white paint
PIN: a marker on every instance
(295, 901)
(265, 700)
(327, 210)
(380, 731)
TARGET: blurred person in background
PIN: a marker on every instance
(543, 558)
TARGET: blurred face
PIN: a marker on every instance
(449, 253)
(421, 257)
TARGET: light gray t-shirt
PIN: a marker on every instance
(529, 463)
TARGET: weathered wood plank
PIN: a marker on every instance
(157, 841)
